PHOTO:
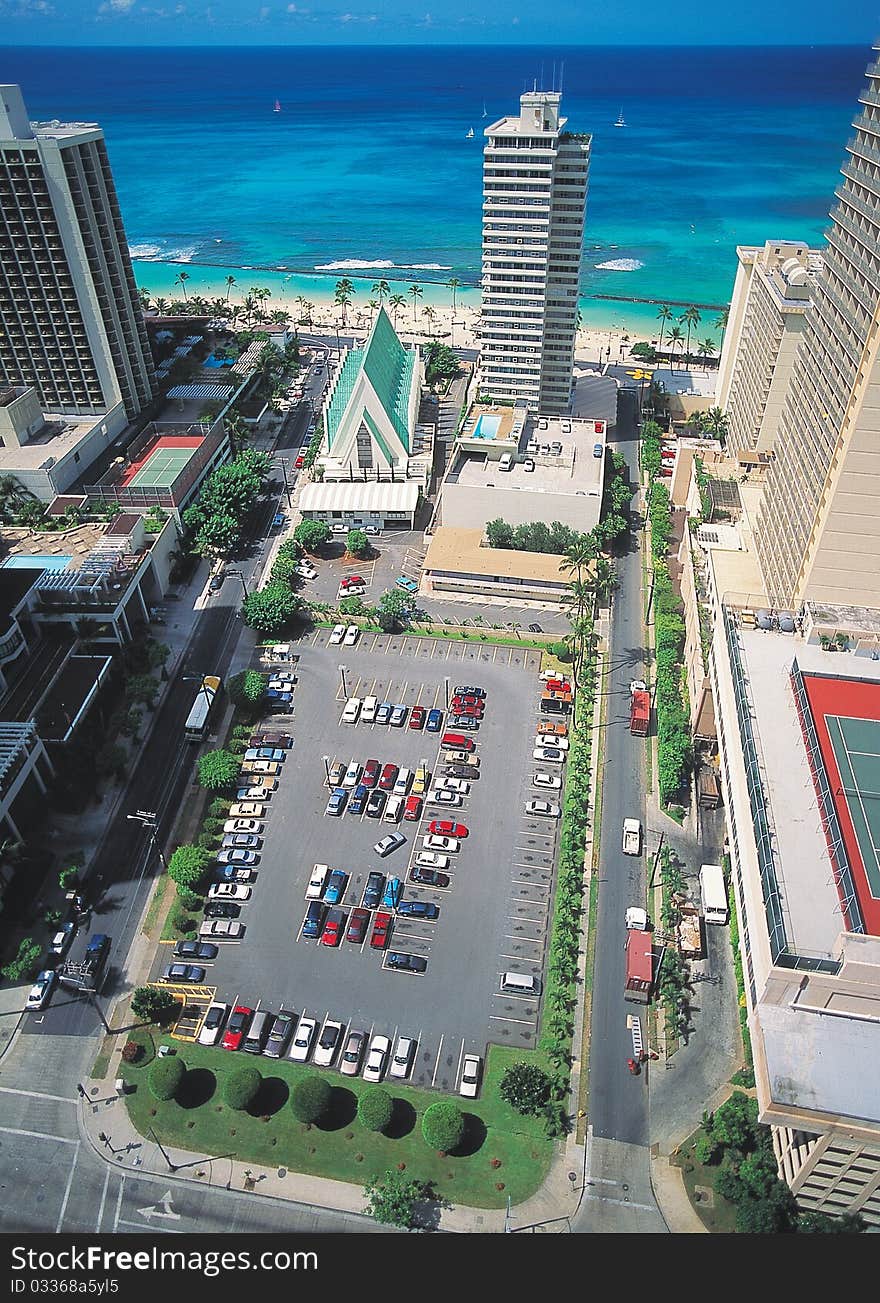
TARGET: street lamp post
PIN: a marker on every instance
(326, 760)
(172, 1167)
(446, 686)
(148, 819)
(342, 676)
(283, 464)
(240, 577)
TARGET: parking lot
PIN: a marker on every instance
(494, 914)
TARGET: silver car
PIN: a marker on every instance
(377, 1057)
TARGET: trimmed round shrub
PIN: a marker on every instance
(240, 1088)
(375, 1108)
(166, 1076)
(310, 1098)
(443, 1126)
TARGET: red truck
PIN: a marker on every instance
(639, 712)
(639, 966)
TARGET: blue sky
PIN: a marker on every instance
(378, 22)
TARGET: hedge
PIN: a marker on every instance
(241, 1087)
(165, 1077)
(443, 1126)
(310, 1099)
(375, 1109)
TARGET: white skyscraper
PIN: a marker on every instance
(534, 197)
(71, 323)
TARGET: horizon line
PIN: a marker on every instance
(452, 45)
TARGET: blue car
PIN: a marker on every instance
(435, 721)
(392, 894)
(275, 695)
(383, 714)
(373, 890)
(418, 909)
(314, 920)
(336, 804)
(279, 520)
(408, 585)
(358, 799)
(335, 889)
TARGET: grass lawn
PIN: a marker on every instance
(719, 1216)
(340, 1147)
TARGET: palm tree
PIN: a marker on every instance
(230, 281)
(303, 303)
(453, 284)
(664, 314)
(714, 423)
(144, 296)
(343, 298)
(604, 577)
(162, 306)
(250, 306)
(676, 335)
(262, 295)
(415, 293)
(373, 305)
(383, 289)
(692, 317)
(706, 347)
(181, 280)
(13, 495)
(197, 303)
(308, 309)
(395, 303)
(721, 323)
(430, 314)
(278, 317)
(579, 555)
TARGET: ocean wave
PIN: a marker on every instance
(619, 264)
(379, 264)
(147, 252)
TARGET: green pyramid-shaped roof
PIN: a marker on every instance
(389, 368)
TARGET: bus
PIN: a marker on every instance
(196, 727)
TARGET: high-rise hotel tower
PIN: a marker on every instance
(818, 529)
(534, 197)
(71, 323)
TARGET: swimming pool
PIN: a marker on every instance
(487, 426)
(36, 561)
(213, 362)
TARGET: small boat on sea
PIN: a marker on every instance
(620, 121)
(485, 114)
(470, 134)
(276, 108)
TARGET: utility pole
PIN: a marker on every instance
(283, 464)
(240, 577)
(656, 861)
(149, 820)
(172, 1167)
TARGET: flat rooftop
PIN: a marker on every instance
(574, 471)
(59, 436)
(459, 551)
(677, 381)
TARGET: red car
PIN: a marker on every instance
(557, 685)
(446, 828)
(357, 928)
(300, 461)
(352, 581)
(413, 808)
(239, 1022)
(333, 927)
(417, 717)
(460, 703)
(370, 776)
(469, 712)
(457, 742)
(388, 778)
(381, 930)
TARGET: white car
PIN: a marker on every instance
(434, 843)
(215, 1021)
(460, 785)
(328, 1043)
(549, 755)
(38, 995)
(351, 636)
(368, 710)
(302, 1041)
(337, 635)
(247, 810)
(638, 685)
(228, 891)
(401, 1061)
(246, 795)
(336, 774)
(469, 1081)
(386, 845)
(432, 860)
(353, 590)
(270, 767)
(238, 857)
(550, 739)
(551, 781)
(377, 1056)
(305, 571)
(281, 683)
(242, 825)
(632, 837)
(547, 809)
(317, 882)
(636, 919)
(352, 774)
(352, 709)
(441, 797)
(241, 841)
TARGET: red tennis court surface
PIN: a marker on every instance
(846, 716)
(168, 455)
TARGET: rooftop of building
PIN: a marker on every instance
(70, 693)
(15, 584)
(360, 495)
(59, 436)
(460, 551)
(788, 268)
(676, 380)
(572, 469)
(65, 547)
(388, 366)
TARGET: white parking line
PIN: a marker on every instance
(437, 1062)
(103, 1201)
(119, 1203)
(70, 1176)
(522, 1022)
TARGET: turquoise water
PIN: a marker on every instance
(213, 362)
(33, 561)
(367, 171)
(486, 427)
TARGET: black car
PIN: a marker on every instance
(406, 963)
(464, 691)
(418, 909)
(428, 877)
(376, 804)
(467, 722)
(373, 890)
(222, 909)
(461, 771)
(195, 950)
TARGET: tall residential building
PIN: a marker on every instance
(71, 323)
(764, 328)
(534, 197)
(818, 534)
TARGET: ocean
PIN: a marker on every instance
(367, 170)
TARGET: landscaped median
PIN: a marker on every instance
(503, 1155)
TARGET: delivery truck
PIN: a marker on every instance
(713, 894)
(639, 713)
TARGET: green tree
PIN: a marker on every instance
(166, 1077)
(269, 609)
(395, 303)
(392, 1199)
(396, 608)
(246, 688)
(375, 1109)
(775, 1214)
(24, 964)
(357, 543)
(142, 689)
(181, 280)
(810, 1223)
(188, 863)
(242, 1087)
(499, 533)
(644, 352)
(676, 336)
(453, 284)
(440, 361)
(443, 1126)
(526, 1087)
(714, 423)
(733, 1123)
(152, 1003)
(312, 534)
(217, 770)
(382, 290)
(310, 1098)
(691, 317)
(706, 347)
(415, 292)
(664, 315)
(351, 606)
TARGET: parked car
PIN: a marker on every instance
(303, 569)
(421, 780)
(465, 690)
(388, 844)
(336, 774)
(280, 1032)
(388, 777)
(247, 810)
(280, 683)
(238, 841)
(435, 721)
(440, 796)
(239, 1022)
(417, 717)
(328, 1043)
(334, 926)
(204, 950)
(393, 892)
(242, 825)
(350, 1062)
(279, 520)
(336, 885)
(282, 741)
(381, 930)
(222, 909)
(352, 774)
(402, 782)
(314, 919)
(428, 877)
(469, 1081)
(377, 1056)
(231, 873)
(373, 890)
(250, 795)
(352, 709)
(336, 803)
(447, 828)
(549, 754)
(352, 634)
(560, 743)
(408, 585)
(451, 784)
(228, 891)
(548, 729)
(212, 1027)
(302, 1041)
(401, 1060)
(60, 943)
(457, 741)
(249, 858)
(432, 860)
(337, 634)
(317, 882)
(467, 722)
(546, 809)
(462, 771)
(398, 716)
(383, 714)
(418, 909)
(352, 581)
(357, 926)
(375, 804)
(368, 710)
(41, 991)
(370, 776)
(543, 779)
(404, 963)
(432, 842)
(265, 753)
(412, 811)
(461, 758)
(358, 799)
(278, 696)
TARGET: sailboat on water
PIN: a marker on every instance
(485, 114)
(620, 122)
(276, 107)
(469, 135)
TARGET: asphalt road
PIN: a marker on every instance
(619, 1101)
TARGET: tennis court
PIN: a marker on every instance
(162, 465)
(856, 746)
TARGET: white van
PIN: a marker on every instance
(393, 809)
(368, 710)
(520, 984)
(506, 462)
(401, 786)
